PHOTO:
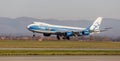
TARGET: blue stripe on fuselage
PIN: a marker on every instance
(33, 28)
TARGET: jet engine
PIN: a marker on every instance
(69, 33)
(85, 32)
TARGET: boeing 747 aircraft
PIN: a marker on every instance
(64, 32)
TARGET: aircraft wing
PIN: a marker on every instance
(64, 31)
(106, 29)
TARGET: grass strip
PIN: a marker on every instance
(58, 44)
(57, 52)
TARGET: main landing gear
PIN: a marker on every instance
(59, 37)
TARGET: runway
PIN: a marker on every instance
(54, 49)
(60, 58)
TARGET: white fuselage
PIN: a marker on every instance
(49, 28)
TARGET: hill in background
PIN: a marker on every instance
(17, 26)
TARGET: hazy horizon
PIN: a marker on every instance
(60, 9)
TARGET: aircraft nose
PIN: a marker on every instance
(29, 27)
(33, 27)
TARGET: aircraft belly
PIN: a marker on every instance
(44, 31)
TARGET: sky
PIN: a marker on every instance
(60, 9)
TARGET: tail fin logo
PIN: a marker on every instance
(96, 24)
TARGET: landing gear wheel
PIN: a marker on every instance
(68, 38)
(33, 35)
(58, 37)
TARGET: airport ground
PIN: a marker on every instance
(33, 48)
(60, 58)
(59, 44)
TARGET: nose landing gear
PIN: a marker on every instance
(33, 34)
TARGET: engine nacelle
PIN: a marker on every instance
(69, 33)
(85, 32)
(46, 34)
(80, 34)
